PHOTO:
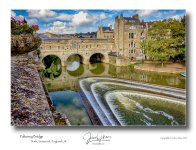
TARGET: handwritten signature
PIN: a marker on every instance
(97, 139)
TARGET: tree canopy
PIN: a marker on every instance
(166, 40)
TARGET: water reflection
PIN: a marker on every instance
(72, 66)
(97, 68)
(69, 103)
(78, 72)
(70, 78)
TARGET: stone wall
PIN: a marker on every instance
(29, 106)
(30, 103)
(24, 43)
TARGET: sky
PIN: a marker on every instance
(77, 21)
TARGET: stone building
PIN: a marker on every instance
(105, 32)
(83, 47)
(121, 44)
(128, 33)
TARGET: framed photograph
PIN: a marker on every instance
(98, 67)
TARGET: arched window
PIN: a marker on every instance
(75, 45)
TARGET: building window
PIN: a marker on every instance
(74, 45)
(59, 47)
(86, 46)
(131, 44)
(97, 45)
(142, 51)
(50, 47)
(131, 51)
(133, 27)
(133, 36)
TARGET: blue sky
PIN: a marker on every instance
(76, 21)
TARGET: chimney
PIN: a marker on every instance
(121, 16)
(110, 27)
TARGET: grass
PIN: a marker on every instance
(135, 63)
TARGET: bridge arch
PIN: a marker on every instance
(97, 57)
(44, 58)
(52, 65)
(75, 56)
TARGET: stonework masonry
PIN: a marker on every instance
(82, 47)
(123, 42)
(128, 33)
(105, 32)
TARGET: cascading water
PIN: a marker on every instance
(117, 111)
(121, 102)
(150, 108)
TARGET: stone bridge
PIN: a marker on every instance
(84, 48)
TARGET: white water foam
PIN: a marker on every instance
(106, 111)
(105, 115)
(162, 88)
(110, 96)
(94, 104)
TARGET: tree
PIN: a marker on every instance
(52, 64)
(53, 71)
(166, 40)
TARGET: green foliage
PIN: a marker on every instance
(52, 70)
(166, 40)
(135, 63)
(21, 27)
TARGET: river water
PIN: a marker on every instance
(64, 91)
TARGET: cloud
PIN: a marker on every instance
(59, 27)
(48, 15)
(32, 21)
(177, 17)
(62, 16)
(17, 17)
(13, 14)
(21, 17)
(85, 19)
(151, 15)
(41, 13)
(148, 12)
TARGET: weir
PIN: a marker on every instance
(103, 95)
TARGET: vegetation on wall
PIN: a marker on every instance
(22, 27)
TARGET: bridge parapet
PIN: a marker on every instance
(64, 48)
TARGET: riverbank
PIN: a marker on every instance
(30, 104)
(174, 68)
